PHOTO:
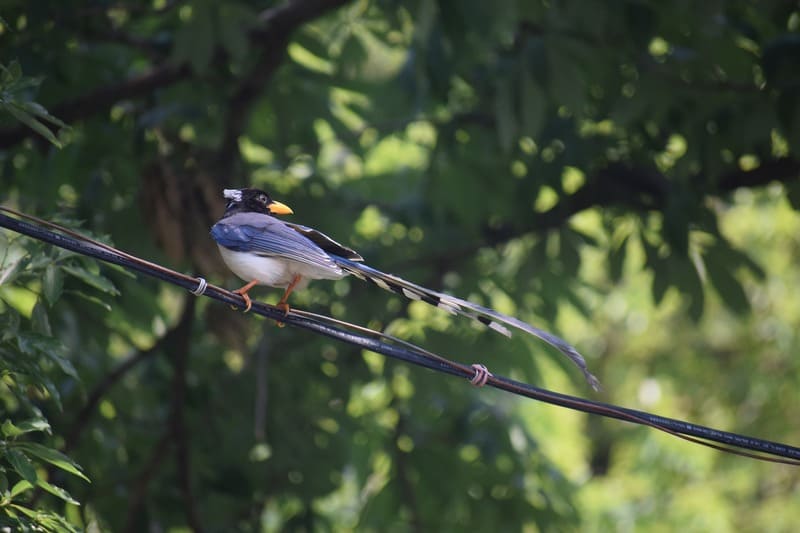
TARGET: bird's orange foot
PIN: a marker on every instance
(243, 293)
(282, 303)
(283, 306)
(247, 301)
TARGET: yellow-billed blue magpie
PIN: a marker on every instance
(263, 250)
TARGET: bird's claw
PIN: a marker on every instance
(247, 301)
(283, 306)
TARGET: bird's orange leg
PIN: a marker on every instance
(243, 293)
(282, 303)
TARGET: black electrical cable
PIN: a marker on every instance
(391, 347)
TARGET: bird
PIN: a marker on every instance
(262, 249)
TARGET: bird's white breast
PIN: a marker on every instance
(274, 271)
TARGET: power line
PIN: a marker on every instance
(398, 349)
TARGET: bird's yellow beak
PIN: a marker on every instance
(277, 208)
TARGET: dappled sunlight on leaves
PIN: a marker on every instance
(623, 176)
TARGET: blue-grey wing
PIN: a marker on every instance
(267, 236)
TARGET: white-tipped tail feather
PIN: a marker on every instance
(488, 317)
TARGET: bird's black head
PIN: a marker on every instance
(253, 201)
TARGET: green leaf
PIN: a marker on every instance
(40, 322)
(54, 457)
(20, 487)
(47, 386)
(687, 280)
(9, 323)
(63, 363)
(727, 286)
(194, 40)
(660, 272)
(616, 259)
(779, 61)
(439, 69)
(660, 282)
(39, 111)
(568, 253)
(566, 80)
(90, 298)
(94, 280)
(734, 258)
(504, 114)
(35, 424)
(9, 429)
(57, 491)
(233, 22)
(23, 466)
(36, 344)
(11, 265)
(533, 104)
(30, 513)
(53, 283)
(30, 121)
(676, 222)
(793, 194)
(753, 266)
(12, 72)
(40, 519)
(48, 347)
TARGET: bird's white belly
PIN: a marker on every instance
(274, 271)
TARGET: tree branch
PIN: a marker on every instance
(101, 389)
(616, 184)
(620, 185)
(784, 170)
(406, 488)
(102, 99)
(180, 348)
(648, 189)
(293, 14)
(275, 27)
(139, 490)
(261, 399)
(86, 412)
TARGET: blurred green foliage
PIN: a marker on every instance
(623, 173)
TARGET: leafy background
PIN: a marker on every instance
(622, 173)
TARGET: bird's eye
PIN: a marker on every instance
(262, 198)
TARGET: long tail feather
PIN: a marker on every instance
(488, 317)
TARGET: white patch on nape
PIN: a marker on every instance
(232, 194)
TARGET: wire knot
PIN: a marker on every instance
(202, 285)
(481, 376)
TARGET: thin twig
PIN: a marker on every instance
(179, 348)
(406, 488)
(101, 389)
(260, 402)
(140, 487)
(275, 26)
